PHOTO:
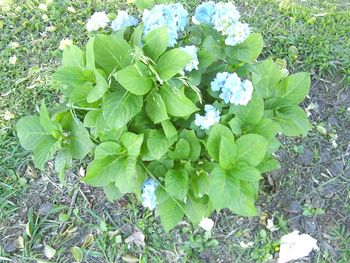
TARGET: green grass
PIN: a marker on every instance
(308, 35)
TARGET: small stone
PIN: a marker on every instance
(295, 223)
(328, 191)
(10, 246)
(309, 225)
(336, 168)
(293, 207)
(127, 229)
(45, 209)
(307, 156)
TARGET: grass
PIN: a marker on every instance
(307, 35)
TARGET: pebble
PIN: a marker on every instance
(45, 209)
(309, 225)
(293, 207)
(328, 191)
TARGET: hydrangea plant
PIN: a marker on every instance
(177, 111)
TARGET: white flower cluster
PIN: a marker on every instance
(192, 51)
(233, 89)
(211, 117)
(100, 20)
(225, 19)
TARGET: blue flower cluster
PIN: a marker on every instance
(233, 89)
(225, 19)
(192, 51)
(148, 195)
(173, 16)
(211, 117)
(123, 19)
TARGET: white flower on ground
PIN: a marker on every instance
(192, 51)
(43, 7)
(246, 245)
(45, 17)
(14, 45)
(8, 115)
(270, 225)
(207, 224)
(98, 20)
(50, 28)
(71, 9)
(294, 246)
(13, 60)
(65, 43)
(211, 117)
(148, 195)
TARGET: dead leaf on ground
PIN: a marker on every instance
(137, 238)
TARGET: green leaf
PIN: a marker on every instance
(267, 128)
(63, 161)
(78, 96)
(182, 150)
(251, 148)
(112, 53)
(253, 112)
(90, 56)
(171, 63)
(120, 107)
(90, 118)
(137, 36)
(217, 132)
(112, 192)
(156, 42)
(227, 152)
(243, 204)
(293, 121)
(107, 149)
(44, 151)
(73, 77)
(157, 144)
(51, 126)
(224, 188)
(155, 108)
(247, 51)
(30, 132)
(294, 88)
(214, 48)
(244, 172)
(200, 183)
(78, 139)
(268, 165)
(102, 171)
(266, 76)
(176, 183)
(73, 57)
(135, 79)
(169, 129)
(176, 102)
(132, 142)
(170, 211)
(196, 209)
(195, 146)
(77, 254)
(99, 89)
(236, 126)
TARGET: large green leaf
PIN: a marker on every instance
(156, 42)
(73, 77)
(293, 121)
(78, 96)
(112, 192)
(268, 164)
(247, 51)
(120, 107)
(90, 56)
(155, 108)
(182, 150)
(63, 161)
(30, 132)
(267, 128)
(73, 57)
(44, 151)
(169, 129)
(195, 146)
(253, 112)
(99, 89)
(170, 211)
(107, 149)
(176, 183)
(196, 209)
(112, 53)
(157, 144)
(243, 204)
(171, 63)
(227, 152)
(135, 79)
(251, 148)
(101, 172)
(244, 172)
(176, 102)
(294, 88)
(132, 142)
(217, 132)
(266, 76)
(78, 139)
(224, 188)
(51, 126)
